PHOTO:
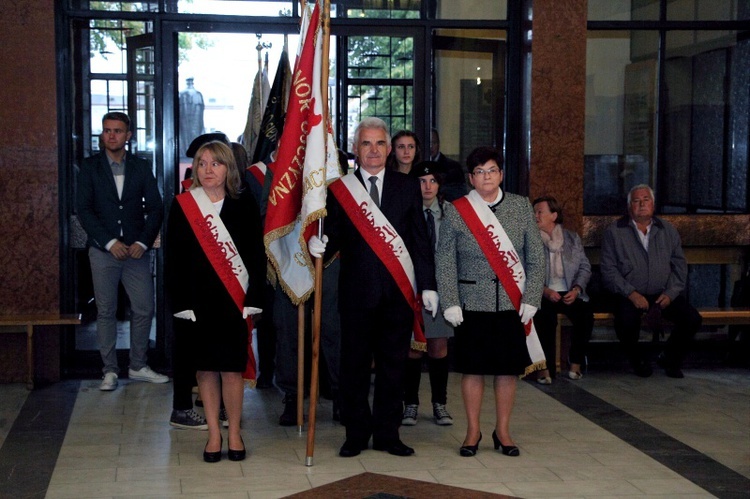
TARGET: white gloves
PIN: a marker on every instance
(526, 312)
(430, 300)
(248, 311)
(186, 314)
(190, 315)
(316, 246)
(454, 315)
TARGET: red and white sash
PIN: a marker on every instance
(217, 244)
(387, 244)
(502, 257)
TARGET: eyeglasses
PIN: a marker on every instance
(491, 172)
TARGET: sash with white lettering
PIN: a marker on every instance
(222, 254)
(503, 258)
(387, 244)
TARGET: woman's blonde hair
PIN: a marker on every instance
(223, 154)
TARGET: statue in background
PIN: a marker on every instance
(191, 115)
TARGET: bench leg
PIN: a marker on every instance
(30, 356)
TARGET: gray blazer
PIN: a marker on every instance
(576, 266)
(627, 267)
(465, 278)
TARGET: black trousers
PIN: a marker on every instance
(381, 333)
(580, 313)
(686, 321)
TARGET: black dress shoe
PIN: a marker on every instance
(669, 369)
(212, 457)
(351, 448)
(508, 450)
(289, 416)
(470, 450)
(237, 455)
(397, 448)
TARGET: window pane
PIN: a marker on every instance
(107, 43)
(621, 103)
(106, 96)
(623, 10)
(708, 10)
(381, 57)
(381, 9)
(118, 6)
(471, 9)
(706, 122)
(270, 8)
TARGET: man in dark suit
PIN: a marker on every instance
(376, 319)
(455, 180)
(120, 209)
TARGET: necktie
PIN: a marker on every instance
(430, 226)
(374, 193)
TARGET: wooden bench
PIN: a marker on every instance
(711, 317)
(25, 324)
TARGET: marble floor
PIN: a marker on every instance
(608, 435)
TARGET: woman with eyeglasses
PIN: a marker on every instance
(490, 273)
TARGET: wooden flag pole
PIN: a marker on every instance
(318, 294)
(300, 366)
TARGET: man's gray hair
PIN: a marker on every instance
(641, 186)
(371, 122)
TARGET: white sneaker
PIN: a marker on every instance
(147, 374)
(109, 382)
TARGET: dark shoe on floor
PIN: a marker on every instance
(470, 450)
(188, 420)
(289, 416)
(351, 448)
(237, 455)
(397, 448)
(669, 369)
(409, 417)
(508, 450)
(212, 457)
(441, 414)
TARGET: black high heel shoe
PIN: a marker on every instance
(237, 455)
(213, 457)
(508, 450)
(470, 450)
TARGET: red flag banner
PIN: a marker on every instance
(294, 173)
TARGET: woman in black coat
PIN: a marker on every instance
(215, 277)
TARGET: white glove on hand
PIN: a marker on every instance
(316, 246)
(186, 314)
(430, 301)
(526, 312)
(454, 315)
(248, 311)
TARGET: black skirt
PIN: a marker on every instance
(491, 343)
